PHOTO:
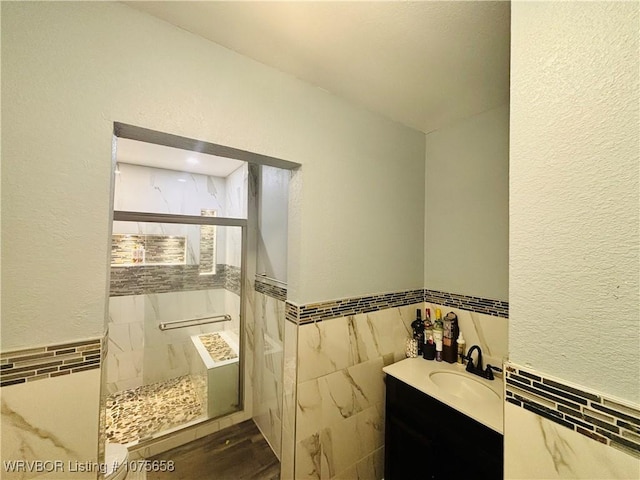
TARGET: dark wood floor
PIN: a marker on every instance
(239, 452)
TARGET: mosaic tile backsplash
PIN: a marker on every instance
(50, 361)
(594, 415)
(146, 279)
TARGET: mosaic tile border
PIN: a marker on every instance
(279, 293)
(496, 308)
(316, 312)
(147, 279)
(291, 312)
(22, 366)
(603, 419)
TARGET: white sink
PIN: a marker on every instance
(462, 385)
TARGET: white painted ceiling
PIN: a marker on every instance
(424, 64)
(169, 158)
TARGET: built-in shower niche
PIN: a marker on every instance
(139, 249)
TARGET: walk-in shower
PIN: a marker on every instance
(176, 309)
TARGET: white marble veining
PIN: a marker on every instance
(340, 394)
(487, 331)
(416, 373)
(64, 427)
(289, 399)
(139, 352)
(147, 189)
(332, 345)
(268, 369)
(537, 448)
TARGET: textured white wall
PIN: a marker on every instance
(467, 206)
(574, 193)
(70, 69)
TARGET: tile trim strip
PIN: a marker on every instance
(597, 416)
(496, 308)
(316, 312)
(270, 290)
(50, 361)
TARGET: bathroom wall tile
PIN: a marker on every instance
(287, 458)
(267, 377)
(309, 414)
(538, 448)
(383, 332)
(598, 416)
(475, 304)
(147, 189)
(340, 447)
(64, 428)
(351, 390)
(371, 467)
(271, 289)
(487, 331)
(289, 376)
(309, 458)
(370, 429)
(323, 348)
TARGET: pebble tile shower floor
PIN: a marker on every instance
(143, 411)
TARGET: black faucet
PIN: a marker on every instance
(477, 369)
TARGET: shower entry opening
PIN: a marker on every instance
(176, 302)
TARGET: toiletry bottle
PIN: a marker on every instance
(428, 326)
(418, 330)
(429, 349)
(438, 351)
(451, 331)
(461, 348)
(438, 327)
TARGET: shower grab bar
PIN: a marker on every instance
(264, 275)
(189, 322)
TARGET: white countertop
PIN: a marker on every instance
(415, 372)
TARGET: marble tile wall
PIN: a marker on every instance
(140, 353)
(337, 363)
(538, 448)
(487, 331)
(61, 428)
(340, 391)
(268, 369)
(563, 411)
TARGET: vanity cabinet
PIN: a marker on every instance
(427, 439)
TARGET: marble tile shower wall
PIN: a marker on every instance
(140, 353)
(268, 368)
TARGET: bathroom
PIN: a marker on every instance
(363, 216)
